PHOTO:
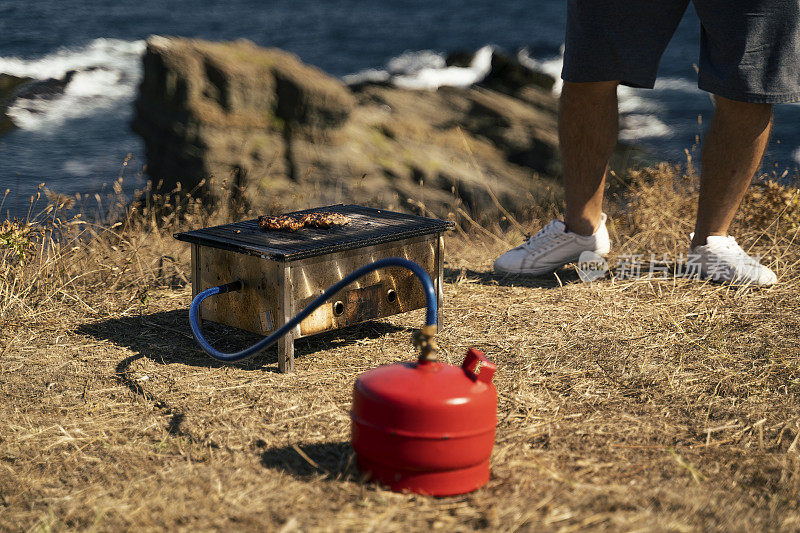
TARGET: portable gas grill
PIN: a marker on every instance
(281, 272)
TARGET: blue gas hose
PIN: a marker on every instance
(422, 275)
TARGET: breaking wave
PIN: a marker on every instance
(86, 80)
(426, 70)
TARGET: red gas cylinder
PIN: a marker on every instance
(426, 427)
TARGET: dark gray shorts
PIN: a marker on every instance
(749, 49)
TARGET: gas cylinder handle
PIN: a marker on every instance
(478, 367)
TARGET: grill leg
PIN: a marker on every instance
(196, 276)
(286, 344)
(286, 354)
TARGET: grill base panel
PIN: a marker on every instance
(276, 290)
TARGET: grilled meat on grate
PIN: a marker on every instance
(295, 222)
(324, 220)
(279, 222)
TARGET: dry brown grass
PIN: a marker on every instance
(624, 405)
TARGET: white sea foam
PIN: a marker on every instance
(635, 127)
(412, 62)
(109, 53)
(681, 85)
(633, 100)
(629, 103)
(406, 64)
(433, 77)
(106, 74)
(796, 154)
(426, 70)
(77, 167)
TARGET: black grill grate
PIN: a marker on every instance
(367, 227)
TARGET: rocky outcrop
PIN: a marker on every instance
(221, 109)
(8, 89)
(288, 135)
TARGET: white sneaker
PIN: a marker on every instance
(552, 248)
(721, 259)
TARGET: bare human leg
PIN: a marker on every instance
(732, 152)
(588, 126)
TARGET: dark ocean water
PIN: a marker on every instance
(77, 141)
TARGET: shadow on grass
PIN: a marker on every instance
(335, 460)
(165, 338)
(545, 281)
